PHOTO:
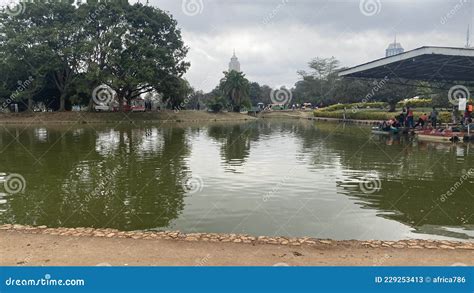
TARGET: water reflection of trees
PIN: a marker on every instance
(125, 177)
(235, 140)
(413, 175)
(64, 168)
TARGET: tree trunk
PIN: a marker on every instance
(89, 107)
(62, 102)
(393, 107)
(120, 100)
(30, 104)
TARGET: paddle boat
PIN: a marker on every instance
(440, 135)
(455, 134)
(380, 130)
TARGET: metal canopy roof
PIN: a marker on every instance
(426, 64)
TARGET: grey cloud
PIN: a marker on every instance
(275, 38)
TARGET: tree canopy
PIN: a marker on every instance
(236, 87)
(322, 86)
(133, 49)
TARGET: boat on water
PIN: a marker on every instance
(379, 130)
(440, 136)
(447, 135)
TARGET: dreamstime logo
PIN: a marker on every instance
(13, 8)
(22, 86)
(451, 13)
(103, 95)
(370, 7)
(470, 172)
(370, 184)
(465, 177)
(14, 183)
(267, 19)
(277, 187)
(457, 93)
(102, 185)
(193, 184)
(281, 97)
(378, 86)
(192, 7)
(203, 261)
(93, 15)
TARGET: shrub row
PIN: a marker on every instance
(444, 117)
(372, 105)
(420, 103)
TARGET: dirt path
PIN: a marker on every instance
(18, 248)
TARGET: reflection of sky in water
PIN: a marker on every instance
(78, 132)
(278, 191)
(107, 142)
(151, 141)
(41, 134)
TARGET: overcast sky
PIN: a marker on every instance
(275, 38)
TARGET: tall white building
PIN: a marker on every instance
(234, 63)
(468, 38)
(394, 49)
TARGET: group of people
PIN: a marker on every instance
(467, 116)
(407, 118)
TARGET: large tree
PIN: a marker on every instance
(47, 39)
(236, 87)
(318, 85)
(134, 49)
(323, 86)
(176, 93)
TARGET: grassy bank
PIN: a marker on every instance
(92, 117)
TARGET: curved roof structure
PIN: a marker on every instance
(443, 64)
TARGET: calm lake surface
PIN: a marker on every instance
(270, 177)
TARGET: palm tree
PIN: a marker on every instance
(236, 87)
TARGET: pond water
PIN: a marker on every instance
(266, 177)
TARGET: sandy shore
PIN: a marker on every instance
(29, 246)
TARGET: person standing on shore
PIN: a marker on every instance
(466, 117)
(422, 121)
(454, 116)
(469, 109)
(403, 117)
(434, 118)
(410, 119)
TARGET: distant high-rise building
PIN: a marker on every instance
(468, 38)
(234, 63)
(394, 49)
